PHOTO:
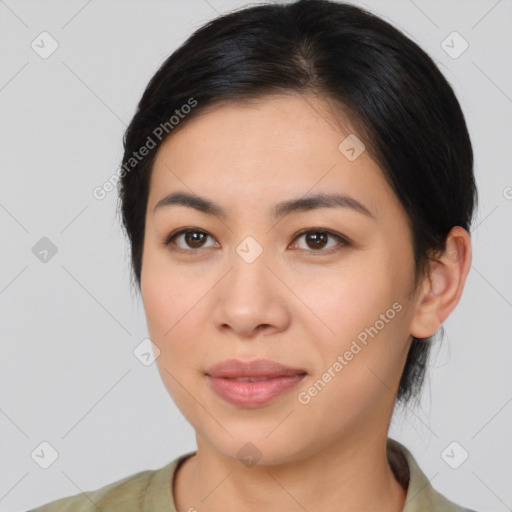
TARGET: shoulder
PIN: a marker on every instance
(126, 494)
(421, 495)
(145, 490)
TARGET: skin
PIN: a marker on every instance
(294, 304)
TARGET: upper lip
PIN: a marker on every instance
(233, 369)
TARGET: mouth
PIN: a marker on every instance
(254, 379)
(257, 369)
(252, 384)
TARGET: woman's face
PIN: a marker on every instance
(334, 302)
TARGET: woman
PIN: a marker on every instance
(297, 188)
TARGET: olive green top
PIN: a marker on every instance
(151, 490)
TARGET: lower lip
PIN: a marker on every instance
(253, 394)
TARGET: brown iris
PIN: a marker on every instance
(195, 237)
(318, 238)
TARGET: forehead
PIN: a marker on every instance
(275, 122)
(269, 149)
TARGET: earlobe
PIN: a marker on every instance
(443, 286)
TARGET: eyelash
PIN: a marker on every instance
(344, 241)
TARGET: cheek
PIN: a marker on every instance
(349, 299)
(173, 322)
(177, 310)
(364, 315)
(168, 295)
(171, 303)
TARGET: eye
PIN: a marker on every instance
(317, 238)
(192, 237)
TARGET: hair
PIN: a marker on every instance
(403, 109)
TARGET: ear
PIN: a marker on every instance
(442, 287)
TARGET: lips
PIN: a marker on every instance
(252, 384)
(259, 369)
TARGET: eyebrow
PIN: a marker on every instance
(279, 210)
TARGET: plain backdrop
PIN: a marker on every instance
(70, 324)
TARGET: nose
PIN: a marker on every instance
(251, 300)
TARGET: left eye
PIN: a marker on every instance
(317, 239)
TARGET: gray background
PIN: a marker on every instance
(68, 375)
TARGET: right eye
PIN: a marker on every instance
(194, 238)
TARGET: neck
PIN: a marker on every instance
(353, 475)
